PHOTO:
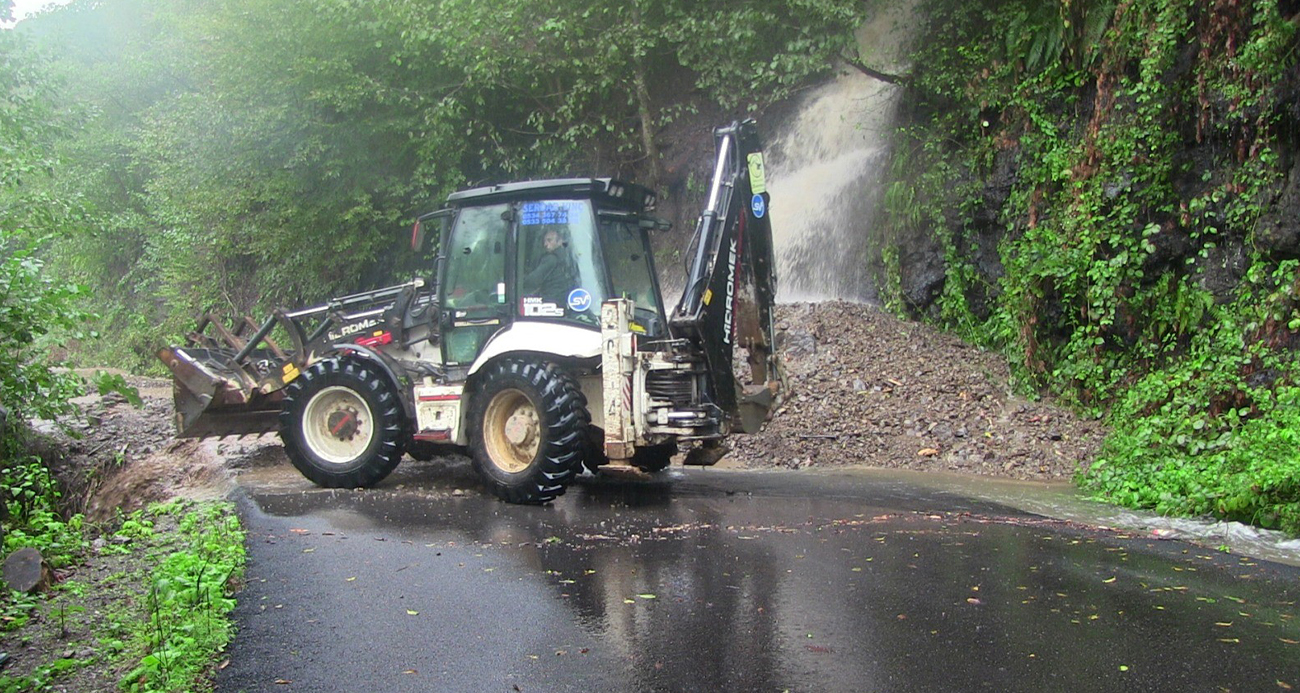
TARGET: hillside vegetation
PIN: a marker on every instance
(1106, 190)
(247, 154)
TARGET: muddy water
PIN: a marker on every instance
(1065, 502)
(825, 170)
(721, 580)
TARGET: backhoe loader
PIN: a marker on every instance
(539, 340)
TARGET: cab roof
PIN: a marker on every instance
(605, 191)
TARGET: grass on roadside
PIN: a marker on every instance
(144, 608)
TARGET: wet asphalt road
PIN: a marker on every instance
(733, 581)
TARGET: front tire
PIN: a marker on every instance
(528, 428)
(342, 424)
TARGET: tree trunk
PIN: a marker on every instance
(643, 106)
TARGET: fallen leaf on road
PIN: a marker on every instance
(300, 531)
(927, 452)
(283, 682)
(308, 550)
(647, 596)
(352, 578)
(410, 671)
(412, 613)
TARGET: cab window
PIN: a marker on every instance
(628, 257)
(476, 267)
(559, 271)
(475, 293)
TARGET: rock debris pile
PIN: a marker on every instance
(863, 387)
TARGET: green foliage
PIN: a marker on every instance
(188, 598)
(241, 155)
(40, 680)
(34, 518)
(33, 306)
(163, 620)
(1214, 431)
(1143, 139)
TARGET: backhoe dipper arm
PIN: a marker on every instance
(731, 287)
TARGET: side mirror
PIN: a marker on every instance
(417, 236)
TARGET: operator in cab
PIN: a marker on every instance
(550, 278)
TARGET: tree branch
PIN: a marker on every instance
(876, 74)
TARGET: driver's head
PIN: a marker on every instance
(551, 240)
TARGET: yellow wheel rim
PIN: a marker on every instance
(512, 431)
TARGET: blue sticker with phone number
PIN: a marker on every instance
(535, 213)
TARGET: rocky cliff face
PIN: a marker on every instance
(1072, 187)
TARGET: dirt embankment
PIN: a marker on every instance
(866, 388)
(120, 458)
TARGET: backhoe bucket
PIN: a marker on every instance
(215, 397)
(731, 288)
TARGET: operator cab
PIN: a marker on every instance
(547, 251)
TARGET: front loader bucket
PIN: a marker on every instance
(215, 397)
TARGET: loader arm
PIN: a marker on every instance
(731, 285)
(232, 382)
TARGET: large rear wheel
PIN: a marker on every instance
(528, 432)
(342, 424)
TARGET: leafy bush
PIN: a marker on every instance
(33, 304)
(34, 515)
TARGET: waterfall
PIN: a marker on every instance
(825, 167)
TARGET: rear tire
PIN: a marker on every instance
(342, 424)
(528, 428)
